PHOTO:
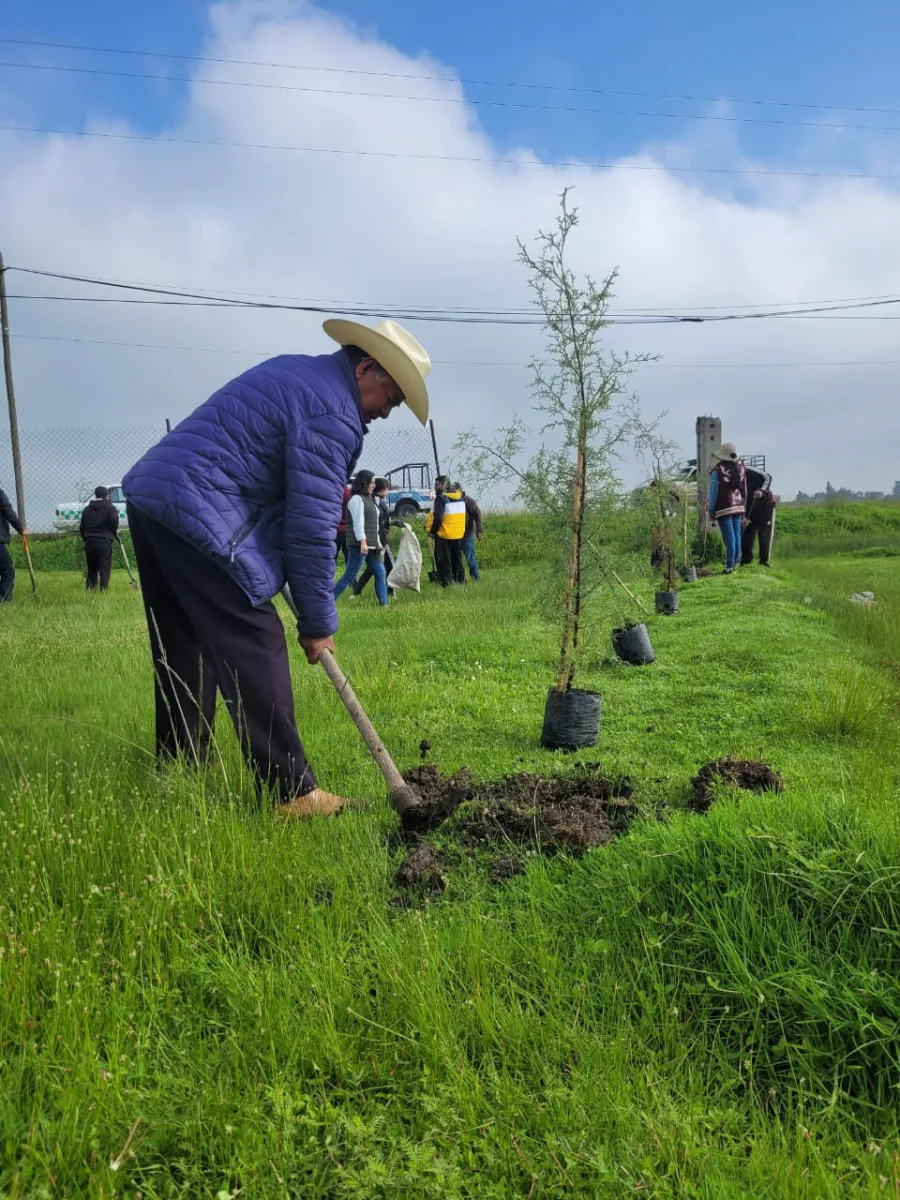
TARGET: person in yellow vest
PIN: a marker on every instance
(446, 524)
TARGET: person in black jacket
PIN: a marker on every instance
(8, 517)
(99, 528)
(759, 520)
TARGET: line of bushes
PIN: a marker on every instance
(519, 539)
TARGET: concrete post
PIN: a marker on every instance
(709, 438)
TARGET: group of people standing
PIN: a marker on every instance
(742, 504)
(453, 525)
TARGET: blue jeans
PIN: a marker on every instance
(730, 528)
(354, 562)
(468, 549)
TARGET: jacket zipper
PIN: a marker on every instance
(244, 532)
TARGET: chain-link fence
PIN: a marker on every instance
(61, 467)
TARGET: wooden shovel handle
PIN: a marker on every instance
(377, 748)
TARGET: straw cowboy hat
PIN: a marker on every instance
(394, 349)
(726, 452)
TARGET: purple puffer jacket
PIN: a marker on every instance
(255, 477)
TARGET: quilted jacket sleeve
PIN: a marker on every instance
(316, 467)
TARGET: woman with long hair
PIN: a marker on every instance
(380, 496)
(363, 537)
(728, 501)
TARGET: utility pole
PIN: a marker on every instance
(11, 399)
(437, 465)
(709, 438)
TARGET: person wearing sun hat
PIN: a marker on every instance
(241, 497)
(728, 500)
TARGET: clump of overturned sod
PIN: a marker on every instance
(573, 813)
(556, 814)
(750, 774)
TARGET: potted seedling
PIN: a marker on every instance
(666, 503)
(588, 415)
(688, 569)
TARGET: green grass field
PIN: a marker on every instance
(196, 1001)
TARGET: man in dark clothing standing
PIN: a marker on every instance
(474, 530)
(760, 518)
(8, 517)
(99, 528)
(446, 524)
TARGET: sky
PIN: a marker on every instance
(727, 183)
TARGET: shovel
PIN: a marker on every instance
(433, 576)
(132, 582)
(404, 800)
(25, 547)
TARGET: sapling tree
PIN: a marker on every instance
(665, 498)
(580, 390)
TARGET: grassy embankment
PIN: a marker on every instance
(709, 1007)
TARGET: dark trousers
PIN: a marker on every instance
(98, 554)
(448, 561)
(7, 574)
(763, 528)
(205, 636)
(340, 545)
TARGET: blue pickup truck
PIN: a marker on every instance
(411, 490)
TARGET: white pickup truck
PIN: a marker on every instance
(68, 514)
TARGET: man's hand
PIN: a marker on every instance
(313, 647)
(479, 535)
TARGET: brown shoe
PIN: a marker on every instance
(316, 803)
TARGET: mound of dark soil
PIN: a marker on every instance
(439, 796)
(505, 868)
(562, 814)
(420, 870)
(753, 775)
(571, 813)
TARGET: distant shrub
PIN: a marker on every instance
(61, 552)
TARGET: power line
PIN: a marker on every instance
(457, 362)
(454, 158)
(524, 84)
(473, 317)
(126, 300)
(343, 305)
(461, 100)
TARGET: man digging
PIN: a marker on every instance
(242, 496)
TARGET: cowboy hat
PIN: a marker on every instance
(726, 452)
(394, 349)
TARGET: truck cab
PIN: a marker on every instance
(411, 490)
(68, 513)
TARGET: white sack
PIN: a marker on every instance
(408, 563)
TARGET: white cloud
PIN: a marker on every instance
(393, 230)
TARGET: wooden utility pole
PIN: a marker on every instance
(709, 438)
(11, 399)
(14, 421)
